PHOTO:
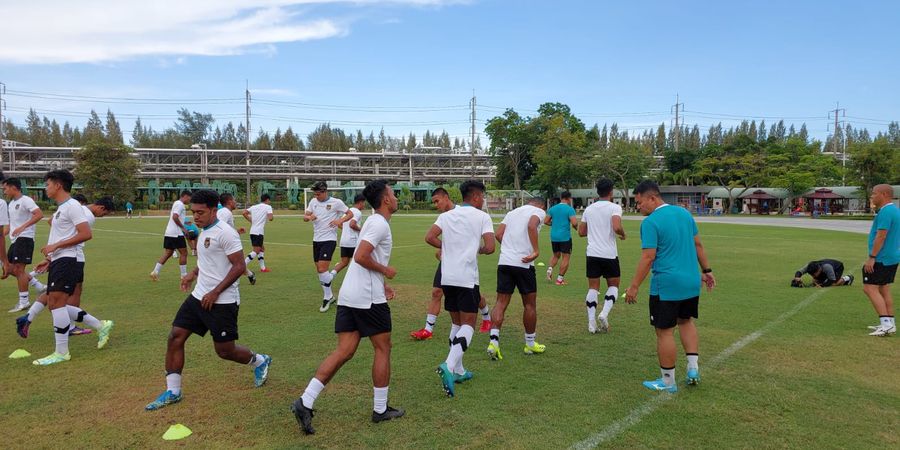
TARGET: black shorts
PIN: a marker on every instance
(368, 322)
(63, 275)
(256, 240)
(603, 267)
(665, 314)
(436, 283)
(461, 299)
(323, 250)
(881, 275)
(20, 251)
(192, 235)
(562, 247)
(510, 278)
(79, 267)
(221, 321)
(347, 252)
(174, 243)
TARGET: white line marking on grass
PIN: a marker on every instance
(645, 409)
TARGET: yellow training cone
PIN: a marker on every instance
(20, 353)
(176, 432)
(541, 264)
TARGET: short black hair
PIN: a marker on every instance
(106, 203)
(319, 186)
(647, 187)
(565, 195)
(185, 193)
(813, 267)
(537, 201)
(468, 188)
(15, 182)
(205, 197)
(61, 176)
(359, 198)
(604, 187)
(264, 197)
(440, 191)
(80, 198)
(374, 192)
(224, 197)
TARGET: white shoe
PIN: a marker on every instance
(550, 274)
(592, 327)
(326, 303)
(154, 276)
(884, 331)
(604, 324)
(20, 307)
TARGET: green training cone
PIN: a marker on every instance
(20, 353)
(176, 432)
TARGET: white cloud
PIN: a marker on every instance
(96, 31)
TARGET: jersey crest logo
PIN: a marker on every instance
(18, 205)
(327, 207)
(206, 243)
(57, 214)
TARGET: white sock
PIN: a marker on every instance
(35, 283)
(61, 324)
(262, 260)
(158, 268)
(173, 383)
(560, 278)
(77, 314)
(24, 298)
(250, 257)
(430, 320)
(609, 300)
(183, 270)
(460, 345)
(692, 359)
(846, 278)
(325, 280)
(32, 274)
(454, 329)
(590, 300)
(258, 360)
(381, 395)
(886, 321)
(313, 389)
(529, 339)
(485, 313)
(668, 376)
(495, 336)
(35, 309)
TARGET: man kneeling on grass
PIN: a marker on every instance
(825, 272)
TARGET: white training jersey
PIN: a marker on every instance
(362, 287)
(326, 212)
(461, 231)
(259, 215)
(68, 215)
(79, 249)
(173, 230)
(349, 236)
(214, 245)
(20, 211)
(600, 235)
(4, 213)
(225, 215)
(516, 243)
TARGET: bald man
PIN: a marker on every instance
(884, 255)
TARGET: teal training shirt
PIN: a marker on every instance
(888, 218)
(560, 227)
(671, 230)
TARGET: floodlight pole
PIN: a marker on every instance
(247, 138)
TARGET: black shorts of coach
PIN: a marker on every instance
(220, 321)
(174, 243)
(323, 250)
(881, 275)
(347, 252)
(602, 267)
(63, 275)
(665, 314)
(510, 278)
(562, 247)
(79, 268)
(461, 299)
(20, 251)
(256, 240)
(367, 322)
(436, 282)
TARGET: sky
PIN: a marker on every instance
(411, 65)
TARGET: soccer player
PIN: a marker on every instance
(440, 198)
(174, 237)
(129, 209)
(327, 215)
(518, 237)
(213, 304)
(825, 272)
(4, 230)
(362, 311)
(100, 208)
(884, 255)
(258, 215)
(23, 215)
(350, 234)
(671, 247)
(190, 234)
(225, 215)
(601, 222)
(561, 217)
(68, 229)
(462, 234)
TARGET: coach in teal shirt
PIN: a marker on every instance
(884, 255)
(561, 217)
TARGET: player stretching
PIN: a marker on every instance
(174, 237)
(258, 215)
(362, 311)
(213, 304)
(327, 215)
(518, 236)
(601, 222)
(459, 234)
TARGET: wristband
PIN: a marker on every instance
(707, 270)
(872, 256)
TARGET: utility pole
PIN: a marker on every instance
(837, 140)
(678, 107)
(247, 138)
(2, 107)
(472, 116)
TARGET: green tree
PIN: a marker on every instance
(625, 162)
(105, 169)
(872, 163)
(560, 155)
(113, 131)
(193, 127)
(798, 166)
(512, 148)
(740, 163)
(93, 131)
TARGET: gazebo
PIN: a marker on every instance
(825, 201)
(761, 202)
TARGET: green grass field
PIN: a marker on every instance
(813, 379)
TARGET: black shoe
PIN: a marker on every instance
(388, 414)
(850, 281)
(252, 278)
(304, 416)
